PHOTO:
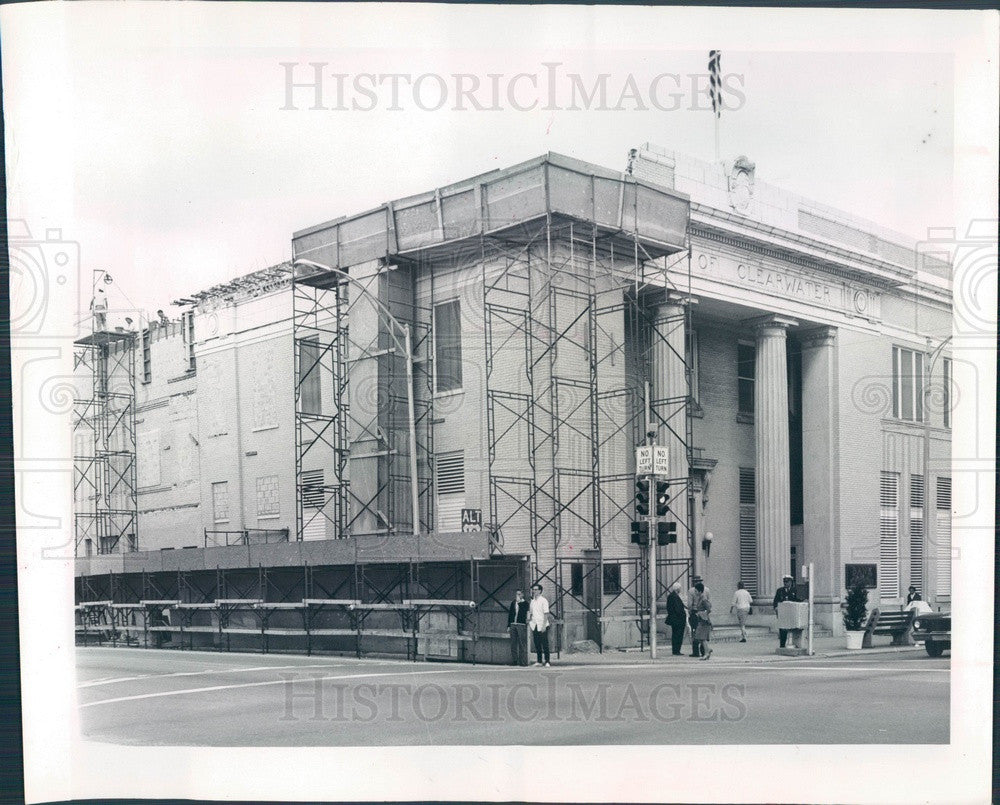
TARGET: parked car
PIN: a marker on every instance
(934, 628)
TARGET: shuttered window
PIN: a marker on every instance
(917, 531)
(450, 484)
(313, 498)
(748, 530)
(943, 540)
(888, 555)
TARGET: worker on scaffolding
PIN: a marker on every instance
(99, 307)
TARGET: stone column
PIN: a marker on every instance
(669, 397)
(819, 471)
(770, 400)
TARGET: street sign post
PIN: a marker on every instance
(651, 461)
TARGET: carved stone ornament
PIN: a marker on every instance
(741, 185)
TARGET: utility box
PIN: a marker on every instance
(793, 615)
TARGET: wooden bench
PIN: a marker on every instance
(897, 624)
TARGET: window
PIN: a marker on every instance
(447, 347)
(310, 400)
(187, 331)
(888, 552)
(746, 359)
(147, 360)
(748, 529)
(267, 497)
(107, 544)
(917, 531)
(946, 391)
(692, 362)
(576, 579)
(943, 536)
(450, 483)
(907, 384)
(220, 502)
(612, 579)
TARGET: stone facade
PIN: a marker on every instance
(821, 301)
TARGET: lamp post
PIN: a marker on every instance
(403, 346)
(931, 358)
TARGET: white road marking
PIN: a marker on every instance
(113, 681)
(269, 682)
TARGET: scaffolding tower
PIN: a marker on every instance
(104, 444)
(571, 312)
(351, 412)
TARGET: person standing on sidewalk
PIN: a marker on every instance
(785, 593)
(702, 610)
(676, 618)
(517, 626)
(538, 624)
(742, 601)
(692, 599)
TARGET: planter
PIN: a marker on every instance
(854, 639)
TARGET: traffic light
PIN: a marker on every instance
(640, 532)
(642, 497)
(662, 499)
(666, 533)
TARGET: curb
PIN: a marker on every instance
(644, 659)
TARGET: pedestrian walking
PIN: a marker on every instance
(538, 623)
(517, 626)
(785, 593)
(742, 604)
(676, 619)
(692, 599)
(703, 609)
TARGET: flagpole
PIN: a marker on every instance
(717, 137)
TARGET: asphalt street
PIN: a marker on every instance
(162, 697)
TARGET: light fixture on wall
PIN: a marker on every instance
(706, 543)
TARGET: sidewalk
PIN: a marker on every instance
(753, 651)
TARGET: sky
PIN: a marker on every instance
(155, 137)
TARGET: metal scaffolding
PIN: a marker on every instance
(573, 300)
(351, 417)
(104, 444)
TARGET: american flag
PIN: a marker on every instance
(714, 57)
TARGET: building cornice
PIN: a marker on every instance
(811, 253)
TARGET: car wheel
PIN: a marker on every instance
(934, 649)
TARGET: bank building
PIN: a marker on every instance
(437, 402)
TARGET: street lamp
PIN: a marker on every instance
(706, 543)
(931, 358)
(405, 348)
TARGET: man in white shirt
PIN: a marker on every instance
(538, 624)
(742, 601)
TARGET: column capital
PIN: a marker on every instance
(770, 322)
(818, 337)
(682, 299)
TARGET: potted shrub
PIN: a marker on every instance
(855, 611)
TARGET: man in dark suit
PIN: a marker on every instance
(786, 592)
(517, 626)
(676, 618)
